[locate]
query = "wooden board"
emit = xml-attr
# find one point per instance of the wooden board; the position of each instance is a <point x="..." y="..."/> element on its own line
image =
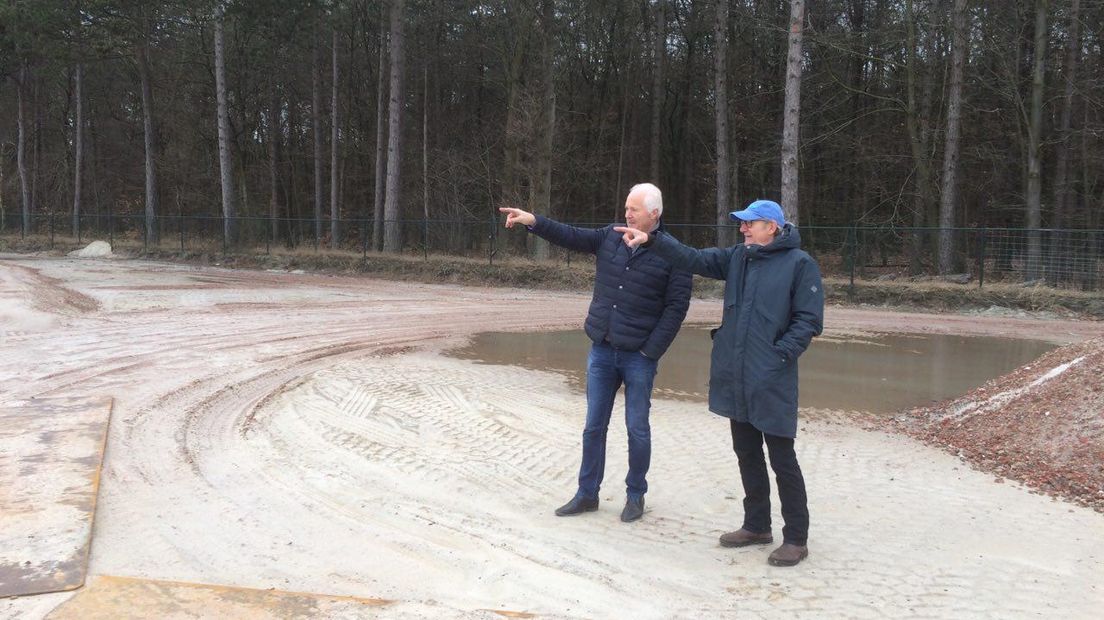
<point x="51" y="452"/>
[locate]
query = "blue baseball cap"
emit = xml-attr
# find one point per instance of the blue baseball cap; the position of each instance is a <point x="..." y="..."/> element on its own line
<point x="761" y="210"/>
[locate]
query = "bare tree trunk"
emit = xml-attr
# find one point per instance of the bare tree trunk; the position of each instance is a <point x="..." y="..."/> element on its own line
<point x="316" y="129"/>
<point x="948" y="195"/>
<point x="392" y="237"/>
<point x="226" y="170"/>
<point x="274" y="134"/>
<point x="381" y="133"/>
<point x="21" y="148"/>
<point x="150" y="140"/>
<point x="792" y="113"/>
<point x="78" y="145"/>
<point x="659" y="51"/>
<point x="720" y="112"/>
<point x="1034" y="133"/>
<point x="335" y="208"/>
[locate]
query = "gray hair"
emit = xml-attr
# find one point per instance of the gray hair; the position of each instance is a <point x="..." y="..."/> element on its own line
<point x="653" y="198"/>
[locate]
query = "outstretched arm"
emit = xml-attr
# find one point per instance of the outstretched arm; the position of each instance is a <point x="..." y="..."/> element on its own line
<point x="570" y="237"/>
<point x="711" y="262"/>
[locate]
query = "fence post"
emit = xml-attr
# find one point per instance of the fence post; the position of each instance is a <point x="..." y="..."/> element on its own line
<point x="980" y="257"/>
<point x="425" y="239"/>
<point x="853" y="234"/>
<point x="51" y="230"/>
<point x="491" y="246"/>
<point x="111" y="224"/>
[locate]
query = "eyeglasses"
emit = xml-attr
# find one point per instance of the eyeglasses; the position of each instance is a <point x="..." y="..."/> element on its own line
<point x="748" y="223"/>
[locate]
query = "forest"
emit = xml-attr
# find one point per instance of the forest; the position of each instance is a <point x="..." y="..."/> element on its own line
<point x="337" y="120"/>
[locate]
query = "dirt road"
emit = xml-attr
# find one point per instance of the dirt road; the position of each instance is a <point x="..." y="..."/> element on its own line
<point x="301" y="433"/>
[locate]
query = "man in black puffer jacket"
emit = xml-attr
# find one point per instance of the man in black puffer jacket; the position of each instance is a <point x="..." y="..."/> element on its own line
<point x="638" y="306"/>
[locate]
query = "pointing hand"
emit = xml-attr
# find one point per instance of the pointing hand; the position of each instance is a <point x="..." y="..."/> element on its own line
<point x="631" y="236"/>
<point x="517" y="216"/>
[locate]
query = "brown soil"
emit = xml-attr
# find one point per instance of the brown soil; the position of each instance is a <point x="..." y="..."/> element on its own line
<point x="1042" y="424"/>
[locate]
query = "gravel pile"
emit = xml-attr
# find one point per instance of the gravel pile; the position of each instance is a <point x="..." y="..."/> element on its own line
<point x="1042" y="424"/>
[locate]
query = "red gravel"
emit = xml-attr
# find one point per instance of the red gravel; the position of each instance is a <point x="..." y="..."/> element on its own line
<point x="1046" y="433"/>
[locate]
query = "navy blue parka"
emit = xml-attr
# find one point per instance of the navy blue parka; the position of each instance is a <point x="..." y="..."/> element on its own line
<point x="639" y="299"/>
<point x="773" y="307"/>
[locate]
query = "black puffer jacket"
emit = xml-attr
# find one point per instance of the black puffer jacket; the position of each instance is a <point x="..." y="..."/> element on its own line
<point x="639" y="298"/>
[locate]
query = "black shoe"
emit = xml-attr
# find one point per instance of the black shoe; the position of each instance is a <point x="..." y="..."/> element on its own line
<point x="577" y="505"/>
<point x="634" y="509"/>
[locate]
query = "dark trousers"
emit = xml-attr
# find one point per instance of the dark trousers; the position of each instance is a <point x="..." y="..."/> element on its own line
<point x="747" y="442"/>
<point x="607" y="369"/>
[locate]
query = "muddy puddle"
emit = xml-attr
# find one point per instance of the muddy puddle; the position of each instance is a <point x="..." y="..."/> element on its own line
<point x="877" y="373"/>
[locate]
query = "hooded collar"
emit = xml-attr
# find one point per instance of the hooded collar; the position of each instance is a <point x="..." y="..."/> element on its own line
<point x="788" y="240"/>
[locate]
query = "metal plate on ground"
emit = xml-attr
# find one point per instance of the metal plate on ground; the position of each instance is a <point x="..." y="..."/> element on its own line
<point x="122" y="597"/>
<point x="51" y="451"/>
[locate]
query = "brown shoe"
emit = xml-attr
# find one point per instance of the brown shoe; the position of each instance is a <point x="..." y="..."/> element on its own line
<point x="788" y="555"/>
<point x="743" y="538"/>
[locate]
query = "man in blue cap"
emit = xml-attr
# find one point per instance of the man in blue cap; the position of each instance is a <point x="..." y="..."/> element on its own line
<point x="773" y="307"/>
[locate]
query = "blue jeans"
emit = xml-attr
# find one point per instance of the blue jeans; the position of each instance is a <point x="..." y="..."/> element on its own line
<point x="607" y="369"/>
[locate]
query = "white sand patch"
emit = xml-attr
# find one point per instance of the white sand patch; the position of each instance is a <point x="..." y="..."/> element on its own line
<point x="96" y="249"/>
<point x="996" y="401"/>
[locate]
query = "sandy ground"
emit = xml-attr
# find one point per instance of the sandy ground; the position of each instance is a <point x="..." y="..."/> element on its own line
<point x="302" y="433"/>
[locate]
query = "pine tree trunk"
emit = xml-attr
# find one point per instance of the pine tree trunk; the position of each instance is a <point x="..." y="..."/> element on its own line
<point x="381" y="136"/>
<point x="226" y="170"/>
<point x="335" y="208"/>
<point x="1034" y="158"/>
<point x="274" y="134"/>
<point x="919" y="146"/>
<point x="1061" y="166"/>
<point x="948" y="195"/>
<point x="152" y="203"/>
<point x="792" y="113"/>
<point x="720" y="113"/>
<point x="540" y="196"/>
<point x="392" y="237"/>
<point x="659" y="51"/>
<point x="21" y="148"/>
<point x="78" y="145"/>
<point x="316" y="129"/>
<point x="425" y="161"/>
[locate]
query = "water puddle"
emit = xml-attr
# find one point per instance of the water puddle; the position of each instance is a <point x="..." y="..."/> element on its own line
<point x="878" y="373"/>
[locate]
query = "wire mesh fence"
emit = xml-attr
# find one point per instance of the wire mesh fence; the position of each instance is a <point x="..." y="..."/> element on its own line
<point x="1061" y="258"/>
